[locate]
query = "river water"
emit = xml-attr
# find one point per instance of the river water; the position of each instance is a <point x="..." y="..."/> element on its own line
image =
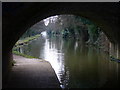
<point x="76" y="65"/>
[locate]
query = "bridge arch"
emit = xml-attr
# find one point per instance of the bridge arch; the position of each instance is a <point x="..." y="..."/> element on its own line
<point x="18" y="17"/>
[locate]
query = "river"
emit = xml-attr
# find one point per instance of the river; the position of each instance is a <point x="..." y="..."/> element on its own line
<point x="75" y="64"/>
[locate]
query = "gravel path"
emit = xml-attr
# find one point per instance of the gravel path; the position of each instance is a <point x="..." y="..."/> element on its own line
<point x="32" y="73"/>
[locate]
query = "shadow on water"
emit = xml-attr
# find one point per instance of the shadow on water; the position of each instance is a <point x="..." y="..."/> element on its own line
<point x="76" y="65"/>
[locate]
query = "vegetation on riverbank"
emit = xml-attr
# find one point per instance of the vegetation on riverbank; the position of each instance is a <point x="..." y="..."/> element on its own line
<point x="68" y="27"/>
<point x="112" y="58"/>
<point x="22" y="42"/>
<point x="26" y="40"/>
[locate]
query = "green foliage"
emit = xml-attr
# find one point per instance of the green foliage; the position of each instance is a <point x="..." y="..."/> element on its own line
<point x="93" y="33"/>
<point x="29" y="33"/>
<point x="26" y="40"/>
<point x="22" y="42"/>
<point x="65" y="33"/>
<point x="83" y="20"/>
<point x="67" y="26"/>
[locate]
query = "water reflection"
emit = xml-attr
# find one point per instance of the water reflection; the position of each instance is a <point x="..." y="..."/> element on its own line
<point x="54" y="56"/>
<point x="76" y="65"/>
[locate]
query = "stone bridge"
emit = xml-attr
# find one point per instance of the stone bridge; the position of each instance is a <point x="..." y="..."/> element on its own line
<point x="18" y="17"/>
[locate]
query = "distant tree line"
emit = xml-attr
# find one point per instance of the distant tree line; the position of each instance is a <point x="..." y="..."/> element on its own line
<point x="70" y="26"/>
<point x="66" y="26"/>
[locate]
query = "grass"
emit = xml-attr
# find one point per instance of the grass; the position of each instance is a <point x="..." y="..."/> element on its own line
<point x="20" y="43"/>
<point x="24" y="55"/>
<point x="26" y="40"/>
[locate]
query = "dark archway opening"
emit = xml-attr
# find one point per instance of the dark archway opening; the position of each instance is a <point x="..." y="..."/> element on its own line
<point x="34" y="12"/>
<point x="72" y="32"/>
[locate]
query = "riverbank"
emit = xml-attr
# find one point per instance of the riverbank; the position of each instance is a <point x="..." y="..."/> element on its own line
<point x="23" y="55"/>
<point x="22" y="42"/>
<point x="26" y="40"/>
<point x="32" y="73"/>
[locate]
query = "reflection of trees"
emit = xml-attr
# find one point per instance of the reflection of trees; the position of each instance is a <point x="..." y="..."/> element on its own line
<point x="55" y="43"/>
<point x="82" y="65"/>
<point x="65" y="77"/>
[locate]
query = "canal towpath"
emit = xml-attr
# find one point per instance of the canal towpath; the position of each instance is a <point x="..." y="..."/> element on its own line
<point x="32" y="73"/>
